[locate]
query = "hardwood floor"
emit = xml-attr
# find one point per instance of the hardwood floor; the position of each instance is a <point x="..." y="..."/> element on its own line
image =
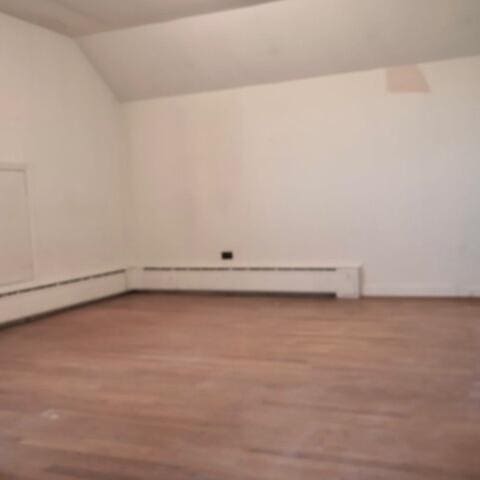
<point x="192" y="387"/>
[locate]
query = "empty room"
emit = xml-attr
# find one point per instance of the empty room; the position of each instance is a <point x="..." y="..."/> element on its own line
<point x="239" y="239"/>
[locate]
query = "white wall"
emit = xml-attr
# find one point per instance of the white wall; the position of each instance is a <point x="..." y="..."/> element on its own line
<point x="59" y="118"/>
<point x="325" y="170"/>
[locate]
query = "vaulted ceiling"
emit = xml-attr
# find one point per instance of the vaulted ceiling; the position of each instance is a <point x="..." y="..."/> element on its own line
<point x="263" y="42"/>
<point x="84" y="17"/>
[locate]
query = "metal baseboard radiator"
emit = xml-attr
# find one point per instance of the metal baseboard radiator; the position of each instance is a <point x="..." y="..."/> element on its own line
<point x="342" y="281"/>
<point x="23" y="303"/>
<point x="39" y="299"/>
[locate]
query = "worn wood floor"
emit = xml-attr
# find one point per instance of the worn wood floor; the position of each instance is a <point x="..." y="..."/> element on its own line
<point x="185" y="387"/>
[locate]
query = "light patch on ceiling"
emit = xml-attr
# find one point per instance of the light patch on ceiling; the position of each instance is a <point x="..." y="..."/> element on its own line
<point x="406" y="79"/>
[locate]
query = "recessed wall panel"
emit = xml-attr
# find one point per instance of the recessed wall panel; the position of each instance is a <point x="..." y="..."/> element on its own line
<point x="16" y="259"/>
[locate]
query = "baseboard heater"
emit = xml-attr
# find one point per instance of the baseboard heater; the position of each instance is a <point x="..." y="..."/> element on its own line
<point x="342" y="282"/>
<point x="27" y="302"/>
<point x="24" y="303"/>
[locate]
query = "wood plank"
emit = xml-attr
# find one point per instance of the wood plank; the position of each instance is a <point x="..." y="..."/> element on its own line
<point x="183" y="387"/>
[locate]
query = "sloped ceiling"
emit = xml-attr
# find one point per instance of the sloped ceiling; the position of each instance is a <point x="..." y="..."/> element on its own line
<point x="262" y="43"/>
<point x="83" y="17"/>
<point x="282" y="40"/>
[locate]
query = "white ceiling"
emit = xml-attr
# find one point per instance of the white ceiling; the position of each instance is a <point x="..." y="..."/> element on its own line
<point x="264" y="42"/>
<point x="83" y="17"/>
<point x="280" y="41"/>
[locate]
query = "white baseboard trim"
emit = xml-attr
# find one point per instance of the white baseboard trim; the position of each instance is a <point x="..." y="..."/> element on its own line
<point x="22" y="304"/>
<point x="419" y="291"/>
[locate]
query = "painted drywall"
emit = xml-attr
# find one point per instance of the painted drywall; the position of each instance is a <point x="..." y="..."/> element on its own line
<point x="329" y="170"/>
<point x="60" y="119"/>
